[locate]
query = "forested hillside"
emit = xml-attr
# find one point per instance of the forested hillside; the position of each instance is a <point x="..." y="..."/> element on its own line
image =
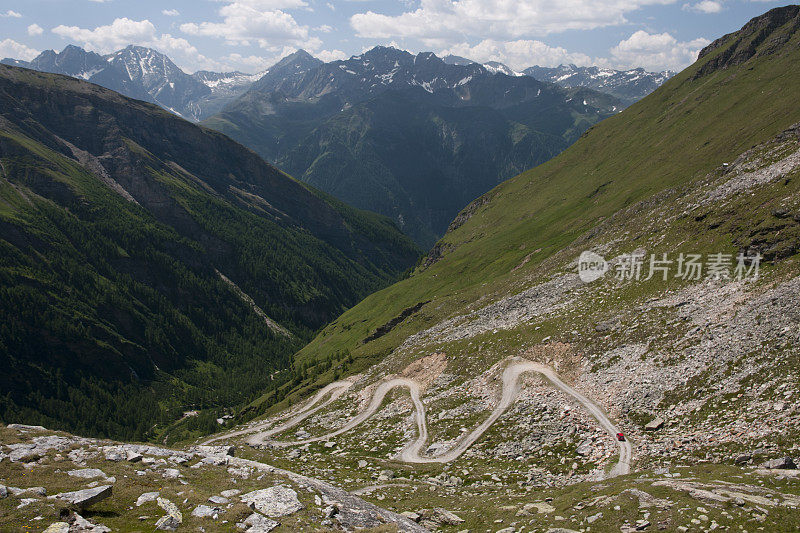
<point x="151" y="267"/>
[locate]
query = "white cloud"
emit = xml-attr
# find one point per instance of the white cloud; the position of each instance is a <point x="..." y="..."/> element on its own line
<point x="453" y="20"/>
<point x="34" y="30"/>
<point x="253" y="63"/>
<point x="518" y="54"/>
<point x="706" y="6"/>
<point x="170" y="12"/>
<point x="10" y="14"/>
<point x="330" y="55"/>
<point x="105" y="39"/>
<point x="658" y="51"/>
<point x="13" y="49"/>
<point x="257" y="21"/>
<point x="124" y="31"/>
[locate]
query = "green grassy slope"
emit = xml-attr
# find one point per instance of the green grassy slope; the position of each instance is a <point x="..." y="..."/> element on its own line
<point x="113" y="316"/>
<point x="740" y="93"/>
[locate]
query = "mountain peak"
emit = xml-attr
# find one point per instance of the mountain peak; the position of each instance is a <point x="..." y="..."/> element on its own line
<point x="298" y="59"/>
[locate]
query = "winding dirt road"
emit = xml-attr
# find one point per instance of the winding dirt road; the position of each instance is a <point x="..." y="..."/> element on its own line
<point x="335" y="389"/>
<point x="413" y="453"/>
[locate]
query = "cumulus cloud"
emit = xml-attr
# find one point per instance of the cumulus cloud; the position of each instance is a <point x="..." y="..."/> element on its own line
<point x="435" y="20"/>
<point x="124" y="31"/>
<point x="659" y="51"/>
<point x="34" y="30"/>
<point x="706" y="6"/>
<point x="518" y="54"/>
<point x="15" y="50"/>
<point x="170" y="12"/>
<point x="263" y="22"/>
<point x="330" y="55"/>
<point x="10" y="14"/>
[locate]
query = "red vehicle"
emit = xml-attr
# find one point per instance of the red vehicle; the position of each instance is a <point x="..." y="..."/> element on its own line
<point x="620" y="437"/>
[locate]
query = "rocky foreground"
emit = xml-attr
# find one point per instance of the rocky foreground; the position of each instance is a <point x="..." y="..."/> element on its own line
<point x="60" y="483"/>
<point x="55" y="482"/>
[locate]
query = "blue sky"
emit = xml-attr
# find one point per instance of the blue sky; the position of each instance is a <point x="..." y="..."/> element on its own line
<point x="250" y="35"/>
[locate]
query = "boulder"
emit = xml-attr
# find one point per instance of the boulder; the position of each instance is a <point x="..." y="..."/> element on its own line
<point x="230" y="493"/>
<point x="3" y="492"/>
<point x="216" y="450"/>
<point x="205" y="511"/>
<point x="87" y="473"/>
<point x="256" y="523"/>
<point x="785" y="463"/>
<point x="447" y="518"/>
<point x="172" y="519"/>
<point x="584" y="448"/>
<point x="147" y="497"/>
<point x="115" y="454"/>
<point x="654" y="425"/>
<point x="743" y="459"/>
<point x="82" y="499"/>
<point x="219" y="500"/>
<point x="167" y="523"/>
<point x="171" y="473"/>
<point x="82" y="525"/>
<point x="274" y="502"/>
<point x="25" y="427"/>
<point x="133" y="457"/>
<point x="57" y="527"/>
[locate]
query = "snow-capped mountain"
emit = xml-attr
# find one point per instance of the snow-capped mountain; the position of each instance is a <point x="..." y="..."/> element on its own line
<point x="225" y="87"/>
<point x="149" y="75"/>
<point x="496" y="67"/>
<point x="353" y="80"/>
<point x="286" y="72"/>
<point x="72" y="61"/>
<point x="165" y="83"/>
<point x="627" y="85"/>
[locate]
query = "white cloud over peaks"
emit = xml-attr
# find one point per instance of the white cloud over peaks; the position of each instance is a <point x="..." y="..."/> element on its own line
<point x="257" y="21"/>
<point x="706" y="6"/>
<point x="330" y="55"/>
<point x="170" y="12"/>
<point x="34" y="30"/>
<point x="10" y="14"/>
<point x="495" y="19"/>
<point x="658" y="51"/>
<point x="518" y="54"/>
<point x="13" y="49"/>
<point x="124" y="31"/>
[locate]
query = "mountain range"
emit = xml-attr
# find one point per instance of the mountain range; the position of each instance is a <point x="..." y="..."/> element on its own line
<point x="407" y="136"/>
<point x="627" y="85"/>
<point x="145" y="74"/>
<point x="472" y="125"/>
<point x="149" y="263"/>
